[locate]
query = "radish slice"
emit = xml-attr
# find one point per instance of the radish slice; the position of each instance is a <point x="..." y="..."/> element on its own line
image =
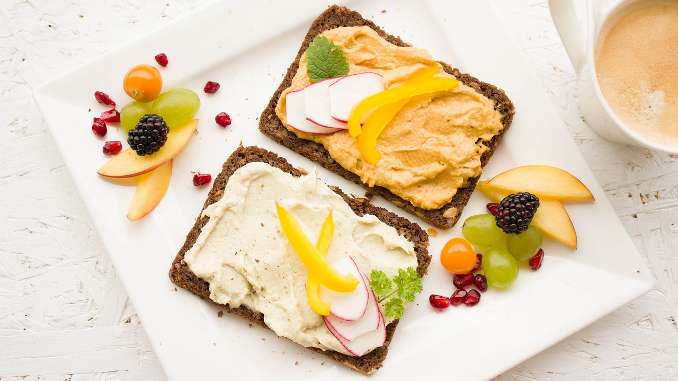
<point x="365" y="342"/>
<point x="295" y="107"/>
<point x="317" y="100"/>
<point x="347" y="305"/>
<point x="351" y="330"/>
<point x="350" y="90"/>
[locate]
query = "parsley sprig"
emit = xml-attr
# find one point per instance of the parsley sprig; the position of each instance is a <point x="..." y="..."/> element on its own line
<point x="396" y="292"/>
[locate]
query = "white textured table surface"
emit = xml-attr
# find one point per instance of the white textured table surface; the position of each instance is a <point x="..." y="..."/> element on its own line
<point x="64" y="314"/>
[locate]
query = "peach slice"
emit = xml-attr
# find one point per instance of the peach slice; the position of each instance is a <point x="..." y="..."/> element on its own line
<point x="124" y="181"/>
<point x="128" y="163"/>
<point x="551" y="217"/>
<point x="151" y="188"/>
<point x="543" y="181"/>
<point x="554" y="221"/>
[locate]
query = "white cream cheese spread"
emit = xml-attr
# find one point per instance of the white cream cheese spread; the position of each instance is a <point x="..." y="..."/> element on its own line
<point x="246" y="260"/>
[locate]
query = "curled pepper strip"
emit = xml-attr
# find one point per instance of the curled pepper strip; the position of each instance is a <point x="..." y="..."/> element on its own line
<point x="391" y="95"/>
<point x="396" y="94"/>
<point x="312" y="283"/>
<point x="382" y="115"/>
<point x="379" y="119"/>
<point x="310" y="256"/>
<point x="372" y="128"/>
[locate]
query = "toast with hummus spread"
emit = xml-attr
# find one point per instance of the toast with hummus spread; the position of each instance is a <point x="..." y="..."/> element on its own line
<point x="381" y="113"/>
<point x="249" y="251"/>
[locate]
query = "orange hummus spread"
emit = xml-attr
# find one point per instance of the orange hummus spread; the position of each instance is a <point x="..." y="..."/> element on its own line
<point x="434" y="143"/>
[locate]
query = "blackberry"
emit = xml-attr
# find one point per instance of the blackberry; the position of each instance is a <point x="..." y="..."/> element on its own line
<point x="515" y="212"/>
<point x="148" y="135"/>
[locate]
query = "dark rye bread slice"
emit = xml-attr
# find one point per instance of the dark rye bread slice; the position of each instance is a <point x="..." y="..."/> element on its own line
<point x="270" y="125"/>
<point x="182" y="276"/>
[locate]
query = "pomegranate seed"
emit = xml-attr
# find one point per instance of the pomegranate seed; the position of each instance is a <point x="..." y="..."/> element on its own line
<point x="479" y="263"/>
<point x="472" y="298"/>
<point x="103" y="98"/>
<point x="110" y="116"/>
<point x="458" y="297"/>
<point x="161" y="59"/>
<point x="223" y="119"/>
<point x="211" y="87"/>
<point x="112" y="147"/>
<point x="462" y="280"/>
<point x="480" y="281"/>
<point x="99" y="127"/>
<point x="493" y="208"/>
<point x="438" y="301"/>
<point x="201" y="179"/>
<point x="536" y="260"/>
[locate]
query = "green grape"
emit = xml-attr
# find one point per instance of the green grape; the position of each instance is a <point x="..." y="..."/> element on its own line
<point x="482" y="231"/>
<point x="176" y="106"/>
<point x="483" y="248"/>
<point x="523" y="246"/>
<point x="500" y="268"/>
<point x="131" y="113"/>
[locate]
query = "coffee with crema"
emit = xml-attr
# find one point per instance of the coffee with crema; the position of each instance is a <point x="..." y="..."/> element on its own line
<point x="637" y="67"/>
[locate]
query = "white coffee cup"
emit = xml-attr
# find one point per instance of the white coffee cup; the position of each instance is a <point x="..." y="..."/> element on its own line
<point x="579" y="23"/>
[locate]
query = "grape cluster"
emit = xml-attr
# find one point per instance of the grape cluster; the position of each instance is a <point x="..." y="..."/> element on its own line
<point x="501" y="251"/>
<point x="177" y="107"/>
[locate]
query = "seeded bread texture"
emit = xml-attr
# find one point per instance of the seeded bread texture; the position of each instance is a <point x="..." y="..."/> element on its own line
<point x="182" y="276"/>
<point x="270" y="125"/>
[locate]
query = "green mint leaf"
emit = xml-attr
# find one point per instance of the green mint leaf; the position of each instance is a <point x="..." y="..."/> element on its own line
<point x="394" y="308"/>
<point x="380" y="283"/>
<point x="408" y="284"/>
<point x="325" y="60"/>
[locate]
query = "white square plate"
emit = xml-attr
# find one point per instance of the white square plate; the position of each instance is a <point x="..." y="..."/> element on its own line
<point x="247" y="47"/>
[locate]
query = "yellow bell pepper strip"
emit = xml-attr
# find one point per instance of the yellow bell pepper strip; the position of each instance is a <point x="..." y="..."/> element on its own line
<point x="420" y="75"/>
<point x="312" y="283"/>
<point x="379" y="119"/>
<point x="310" y="257"/>
<point x="424" y="73"/>
<point x="396" y="94"/>
<point x="326" y="233"/>
<point x="313" y="296"/>
<point x="372" y="128"/>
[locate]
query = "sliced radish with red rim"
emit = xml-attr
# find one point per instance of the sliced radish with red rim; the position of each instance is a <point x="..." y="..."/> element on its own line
<point x="317" y="102"/>
<point x="365" y="342"/>
<point x="295" y="106"/>
<point x="350" y="330"/>
<point x="348" y="91"/>
<point x="347" y="306"/>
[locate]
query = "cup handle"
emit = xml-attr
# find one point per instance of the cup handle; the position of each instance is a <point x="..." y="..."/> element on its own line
<point x="571" y="20"/>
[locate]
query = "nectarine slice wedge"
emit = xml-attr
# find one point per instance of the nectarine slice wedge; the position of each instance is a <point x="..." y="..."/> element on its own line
<point x="544" y="181"/>
<point x="551" y="217"/>
<point x="554" y="221"/>
<point x="151" y="188"/>
<point x="128" y="163"/>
